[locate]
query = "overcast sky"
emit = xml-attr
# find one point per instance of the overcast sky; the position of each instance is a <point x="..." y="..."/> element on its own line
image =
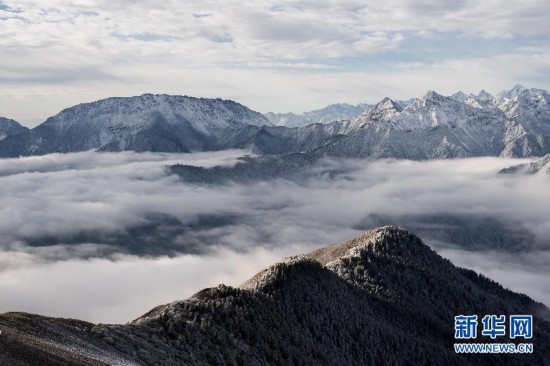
<point x="269" y="55"/>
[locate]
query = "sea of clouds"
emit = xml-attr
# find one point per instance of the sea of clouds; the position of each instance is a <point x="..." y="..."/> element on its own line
<point x="59" y="214"/>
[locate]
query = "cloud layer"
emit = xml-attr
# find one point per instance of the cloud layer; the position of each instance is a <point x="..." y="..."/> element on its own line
<point x="104" y="291"/>
<point x="57" y="53"/>
<point x="60" y="212"/>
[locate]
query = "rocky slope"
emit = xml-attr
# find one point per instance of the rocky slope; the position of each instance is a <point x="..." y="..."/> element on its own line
<point x="513" y="124"/>
<point x="538" y="165"/>
<point x="9" y="127"/>
<point x="382" y="297"/>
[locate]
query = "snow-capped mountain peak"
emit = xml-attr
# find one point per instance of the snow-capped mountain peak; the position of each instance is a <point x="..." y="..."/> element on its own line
<point x="460" y="112"/>
<point x="432" y="97"/>
<point x="203" y="114"/>
<point x="9" y="127"/>
<point x="385" y="110"/>
<point x="459" y="96"/>
<point x="388" y="104"/>
<point x="328" y="114"/>
<point x="519" y="92"/>
<point x="149" y="122"/>
<point x="484" y="96"/>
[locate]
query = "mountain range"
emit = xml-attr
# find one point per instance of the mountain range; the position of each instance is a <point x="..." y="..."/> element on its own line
<point x="514" y="123"/>
<point x="330" y="113"/>
<point x="382" y="297"/>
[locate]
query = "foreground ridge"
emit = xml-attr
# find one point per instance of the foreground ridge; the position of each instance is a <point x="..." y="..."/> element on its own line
<point x="382" y="297"/>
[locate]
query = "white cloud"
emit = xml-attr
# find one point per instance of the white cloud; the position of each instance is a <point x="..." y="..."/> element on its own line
<point x="283" y="90"/>
<point x="58" y="53"/>
<point x="251" y="225"/>
<point x="61" y="194"/>
<point x="101" y="290"/>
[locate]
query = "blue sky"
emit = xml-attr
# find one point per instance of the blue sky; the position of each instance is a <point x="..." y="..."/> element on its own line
<point x="269" y="55"/>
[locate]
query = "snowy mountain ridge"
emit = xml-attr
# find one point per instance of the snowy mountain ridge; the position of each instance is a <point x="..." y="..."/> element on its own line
<point x="141" y="123"/>
<point x="330" y="113"/>
<point x="9" y="127"/>
<point x="514" y="123"/>
<point x="532" y="168"/>
<point x="203" y="114"/>
<point x="431" y="110"/>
